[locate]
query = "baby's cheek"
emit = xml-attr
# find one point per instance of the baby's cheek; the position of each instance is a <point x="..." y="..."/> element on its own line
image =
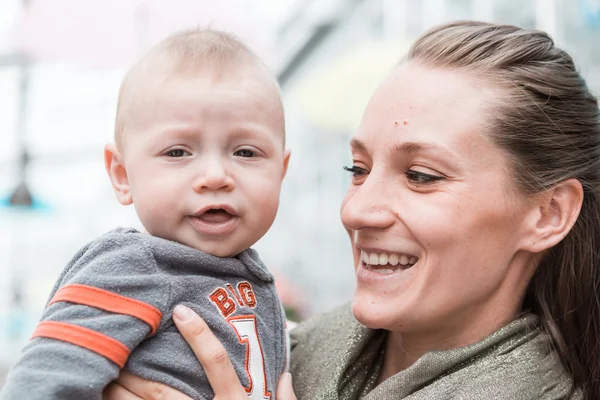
<point x="269" y="206"/>
<point x="263" y="209"/>
<point x="266" y="192"/>
<point x="154" y="209"/>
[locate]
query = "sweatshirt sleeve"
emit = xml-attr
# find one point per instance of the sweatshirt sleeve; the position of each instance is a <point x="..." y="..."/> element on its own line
<point x="110" y="298"/>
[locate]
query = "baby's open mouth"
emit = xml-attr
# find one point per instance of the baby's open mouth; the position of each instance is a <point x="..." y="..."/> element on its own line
<point x="215" y="216"/>
<point x="218" y="219"/>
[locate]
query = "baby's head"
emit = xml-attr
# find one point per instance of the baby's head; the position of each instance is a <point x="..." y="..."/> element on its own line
<point x="200" y="143"/>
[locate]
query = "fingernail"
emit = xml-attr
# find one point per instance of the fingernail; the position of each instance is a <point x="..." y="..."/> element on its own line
<point x="182" y="313"/>
<point x="288" y="377"/>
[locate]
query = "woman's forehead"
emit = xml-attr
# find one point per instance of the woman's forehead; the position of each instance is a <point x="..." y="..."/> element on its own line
<point x="418" y="98"/>
<point x="416" y="87"/>
<point x="429" y="111"/>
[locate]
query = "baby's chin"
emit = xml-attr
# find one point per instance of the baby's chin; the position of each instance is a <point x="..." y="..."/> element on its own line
<point x="222" y="254"/>
<point x="217" y="249"/>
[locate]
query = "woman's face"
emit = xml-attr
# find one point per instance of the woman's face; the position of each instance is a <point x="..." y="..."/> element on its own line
<point x="434" y="224"/>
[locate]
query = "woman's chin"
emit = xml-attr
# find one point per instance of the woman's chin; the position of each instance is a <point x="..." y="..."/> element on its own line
<point x="371" y="313"/>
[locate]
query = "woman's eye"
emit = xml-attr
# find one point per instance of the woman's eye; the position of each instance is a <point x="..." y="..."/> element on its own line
<point x="356" y="171"/>
<point x="244" y="153"/>
<point x="421" y="177"/>
<point x="177" y="153"/>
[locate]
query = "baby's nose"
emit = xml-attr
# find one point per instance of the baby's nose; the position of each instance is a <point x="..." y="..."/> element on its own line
<point x="213" y="176"/>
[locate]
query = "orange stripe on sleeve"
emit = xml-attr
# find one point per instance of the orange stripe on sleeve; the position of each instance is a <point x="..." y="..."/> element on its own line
<point x="99" y="343"/>
<point x="109" y="301"/>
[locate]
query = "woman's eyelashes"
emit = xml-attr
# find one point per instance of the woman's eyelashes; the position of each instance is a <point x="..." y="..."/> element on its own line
<point x="356" y="171"/>
<point x="422" y="178"/>
<point x="413" y="176"/>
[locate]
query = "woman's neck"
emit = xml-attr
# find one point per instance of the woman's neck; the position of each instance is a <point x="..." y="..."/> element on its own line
<point x="402" y="349"/>
<point x="468" y="326"/>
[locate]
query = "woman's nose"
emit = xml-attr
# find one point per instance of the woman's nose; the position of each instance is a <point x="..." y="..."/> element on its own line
<point x="213" y="174"/>
<point x="367" y="206"/>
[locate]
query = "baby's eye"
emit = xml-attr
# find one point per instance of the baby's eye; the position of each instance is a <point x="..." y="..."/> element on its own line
<point x="244" y="153"/>
<point x="177" y="153"/>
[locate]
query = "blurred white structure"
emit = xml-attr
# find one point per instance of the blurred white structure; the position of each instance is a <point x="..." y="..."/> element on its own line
<point x="114" y="33"/>
<point x="71" y="111"/>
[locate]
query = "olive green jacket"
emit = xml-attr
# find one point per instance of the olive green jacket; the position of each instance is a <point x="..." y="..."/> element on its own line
<point x="334" y="357"/>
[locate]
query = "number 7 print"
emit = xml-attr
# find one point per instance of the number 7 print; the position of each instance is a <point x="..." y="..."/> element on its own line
<point x="247" y="332"/>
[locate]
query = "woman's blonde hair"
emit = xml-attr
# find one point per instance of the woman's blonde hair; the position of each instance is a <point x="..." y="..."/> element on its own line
<point x="548" y="123"/>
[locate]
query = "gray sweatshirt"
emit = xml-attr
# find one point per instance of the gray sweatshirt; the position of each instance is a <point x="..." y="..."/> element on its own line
<point x="111" y="309"/>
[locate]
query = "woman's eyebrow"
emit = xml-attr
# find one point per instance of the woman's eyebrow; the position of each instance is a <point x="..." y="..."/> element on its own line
<point x="409" y="148"/>
<point x="357" y="145"/>
<point x="418" y="147"/>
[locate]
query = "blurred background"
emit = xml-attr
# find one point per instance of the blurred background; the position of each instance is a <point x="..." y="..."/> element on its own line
<point x="61" y="63"/>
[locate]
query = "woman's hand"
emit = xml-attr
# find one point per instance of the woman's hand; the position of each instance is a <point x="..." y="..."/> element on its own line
<point x="211" y="354"/>
<point x="132" y="387"/>
<point x="213" y="357"/>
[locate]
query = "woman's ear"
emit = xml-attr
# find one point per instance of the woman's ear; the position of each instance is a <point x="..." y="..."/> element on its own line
<point x="555" y="213"/>
<point x="113" y="162"/>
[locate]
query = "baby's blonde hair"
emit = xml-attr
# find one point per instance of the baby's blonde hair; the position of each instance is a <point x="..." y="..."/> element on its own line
<point x="190" y="51"/>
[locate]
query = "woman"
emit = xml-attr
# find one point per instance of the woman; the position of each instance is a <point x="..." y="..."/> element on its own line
<point x="473" y="214"/>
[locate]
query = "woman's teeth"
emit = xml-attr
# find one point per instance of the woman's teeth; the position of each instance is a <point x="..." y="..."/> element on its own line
<point x="378" y="260"/>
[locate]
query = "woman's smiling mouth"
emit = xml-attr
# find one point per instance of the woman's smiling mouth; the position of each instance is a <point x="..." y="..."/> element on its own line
<point x="387" y="263"/>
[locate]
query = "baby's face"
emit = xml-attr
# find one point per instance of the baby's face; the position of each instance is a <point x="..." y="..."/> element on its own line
<point x="205" y="160"/>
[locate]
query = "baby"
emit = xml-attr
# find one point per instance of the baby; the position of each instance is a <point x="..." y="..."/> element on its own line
<point x="199" y="151"/>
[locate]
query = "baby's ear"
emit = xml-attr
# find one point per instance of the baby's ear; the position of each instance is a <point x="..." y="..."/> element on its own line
<point x="286" y="160"/>
<point x="113" y="162"/>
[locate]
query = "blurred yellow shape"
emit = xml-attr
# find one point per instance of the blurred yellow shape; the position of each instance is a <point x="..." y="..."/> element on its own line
<point x="334" y="97"/>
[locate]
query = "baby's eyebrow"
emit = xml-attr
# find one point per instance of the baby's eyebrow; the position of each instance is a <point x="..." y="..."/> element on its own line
<point x="255" y="133"/>
<point x="181" y="131"/>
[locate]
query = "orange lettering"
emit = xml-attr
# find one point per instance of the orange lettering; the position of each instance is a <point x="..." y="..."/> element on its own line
<point x="223" y="302"/>
<point x="245" y="290"/>
<point x="232" y="290"/>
